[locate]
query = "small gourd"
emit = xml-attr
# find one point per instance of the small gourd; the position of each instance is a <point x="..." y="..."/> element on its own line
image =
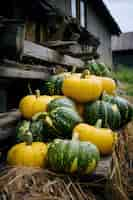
<point x="28" y="153"/>
<point x="32" y="104"/>
<point x="124" y="106"/>
<point x="109" y="113"/>
<point x="82" y="88"/>
<point x="61" y="120"/>
<point x="103" y="138"/>
<point x="73" y="156"/>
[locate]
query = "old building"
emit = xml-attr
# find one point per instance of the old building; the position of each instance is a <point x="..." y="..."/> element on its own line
<point x="92" y="15"/>
<point x="122" y="49"/>
<point x="97" y="19"/>
<point x="77" y="29"/>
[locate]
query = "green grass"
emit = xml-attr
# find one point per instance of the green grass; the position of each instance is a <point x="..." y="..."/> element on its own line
<point x="125" y="76"/>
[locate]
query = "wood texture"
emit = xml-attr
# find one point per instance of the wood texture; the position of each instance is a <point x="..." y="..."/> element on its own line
<point x="14" y="70"/>
<point x="9" y="118"/>
<point x="104" y="167"/>
<point x="45" y="54"/>
<point x="123" y="42"/>
<point x="59" y="43"/>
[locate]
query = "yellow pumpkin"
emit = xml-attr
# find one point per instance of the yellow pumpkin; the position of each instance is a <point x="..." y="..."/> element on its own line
<point x="82" y="88"/>
<point x="108" y="84"/>
<point x="32" y="104"/>
<point x="103" y="138"/>
<point x="28" y="153"/>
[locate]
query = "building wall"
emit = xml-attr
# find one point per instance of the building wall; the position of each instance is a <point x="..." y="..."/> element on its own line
<point x="65" y="5"/>
<point x="123" y="58"/>
<point x="96" y="26"/>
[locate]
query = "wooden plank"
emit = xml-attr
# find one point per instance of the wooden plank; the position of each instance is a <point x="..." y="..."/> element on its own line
<point x="5" y="133"/>
<point x="103" y="167"/>
<point x="9" y="118"/>
<point x="59" y="43"/>
<point x="9" y="72"/>
<point x="45" y="54"/>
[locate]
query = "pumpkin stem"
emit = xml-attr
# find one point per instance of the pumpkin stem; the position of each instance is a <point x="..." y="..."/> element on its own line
<point x="85" y="73"/>
<point x="98" y="123"/>
<point x="39" y="115"/>
<point x="27" y="137"/>
<point x="29" y="88"/>
<point x="74" y="68"/>
<point x="75" y="136"/>
<point x="37" y="93"/>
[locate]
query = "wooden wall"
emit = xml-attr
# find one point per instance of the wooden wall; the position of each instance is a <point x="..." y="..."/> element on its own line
<point x="96" y="26"/>
<point x="65" y="5"/>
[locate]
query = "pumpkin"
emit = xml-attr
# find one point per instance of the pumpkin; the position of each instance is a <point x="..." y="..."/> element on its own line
<point x="31" y="104"/>
<point x="28" y="153"/>
<point x="99" y="69"/>
<point x="108" y="85"/>
<point x="103" y="138"/>
<point x="61" y="102"/>
<point x="41" y="130"/>
<point x="73" y="156"/>
<point x="61" y="121"/>
<point x="109" y="114"/>
<point x="125" y="108"/>
<point x="52" y="86"/>
<point x="82" y="88"/>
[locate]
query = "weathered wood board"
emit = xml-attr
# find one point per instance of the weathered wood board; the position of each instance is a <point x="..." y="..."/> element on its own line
<point x="45" y="54"/>
<point x="23" y="71"/>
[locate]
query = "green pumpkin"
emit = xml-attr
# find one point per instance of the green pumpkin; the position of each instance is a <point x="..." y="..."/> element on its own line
<point x="64" y="119"/>
<point x="99" y="69"/>
<point x="53" y="85"/>
<point x="109" y="113"/>
<point x="60" y="120"/>
<point x="125" y="108"/>
<point x="36" y="128"/>
<point x="73" y="156"/>
<point x="61" y="102"/>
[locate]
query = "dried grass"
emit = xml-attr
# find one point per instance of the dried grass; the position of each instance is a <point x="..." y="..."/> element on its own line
<point x="39" y="184"/>
<point x="128" y="131"/>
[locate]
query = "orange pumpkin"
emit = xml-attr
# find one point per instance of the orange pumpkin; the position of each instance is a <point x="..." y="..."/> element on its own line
<point x="82" y="88"/>
<point x="32" y="104"/>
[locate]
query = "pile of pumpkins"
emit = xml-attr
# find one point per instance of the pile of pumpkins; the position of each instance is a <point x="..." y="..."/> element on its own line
<point x="71" y="124"/>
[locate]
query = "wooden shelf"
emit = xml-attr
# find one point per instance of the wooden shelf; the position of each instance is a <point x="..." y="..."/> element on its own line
<point x="48" y="55"/>
<point x="12" y="69"/>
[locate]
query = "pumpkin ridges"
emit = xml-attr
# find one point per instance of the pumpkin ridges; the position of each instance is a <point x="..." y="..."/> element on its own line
<point x="91" y="88"/>
<point x="61" y="102"/>
<point x="124" y="107"/>
<point x="29" y="105"/>
<point x="71" y="160"/>
<point x="102" y="110"/>
<point x="27" y="155"/>
<point x="64" y="119"/>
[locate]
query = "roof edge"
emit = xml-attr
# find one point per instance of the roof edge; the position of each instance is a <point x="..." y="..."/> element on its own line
<point x="107" y="16"/>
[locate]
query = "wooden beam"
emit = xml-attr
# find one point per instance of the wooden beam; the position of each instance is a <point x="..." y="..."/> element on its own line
<point x="9" y="118"/>
<point x="13" y="72"/>
<point x="45" y="54"/>
<point x="58" y="43"/>
<point x="103" y="167"/>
